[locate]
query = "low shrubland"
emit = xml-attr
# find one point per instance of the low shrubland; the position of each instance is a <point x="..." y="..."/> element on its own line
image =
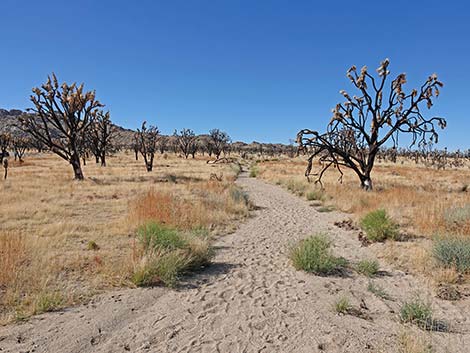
<point x="378" y="226"/>
<point x="453" y="253"/>
<point x="368" y="268"/>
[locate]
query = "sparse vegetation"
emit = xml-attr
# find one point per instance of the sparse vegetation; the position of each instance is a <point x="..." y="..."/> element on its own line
<point x="368" y="268"/>
<point x="342" y="306"/>
<point x="420" y="313"/>
<point x="254" y="171"/>
<point x="315" y="195"/>
<point x="314" y="255"/>
<point x="379" y="226"/>
<point x="453" y="253"/>
<point x="378" y="291"/>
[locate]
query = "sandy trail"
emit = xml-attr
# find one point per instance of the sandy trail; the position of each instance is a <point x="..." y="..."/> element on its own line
<point x="250" y="300"/>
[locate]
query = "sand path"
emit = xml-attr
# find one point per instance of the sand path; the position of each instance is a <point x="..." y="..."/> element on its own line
<point x="250" y="300"/>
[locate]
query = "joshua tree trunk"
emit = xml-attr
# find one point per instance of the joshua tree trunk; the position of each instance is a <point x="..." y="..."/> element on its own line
<point x="77" y="169"/>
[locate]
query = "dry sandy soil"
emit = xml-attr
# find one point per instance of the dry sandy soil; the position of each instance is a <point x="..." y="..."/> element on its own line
<point x="252" y="300"/>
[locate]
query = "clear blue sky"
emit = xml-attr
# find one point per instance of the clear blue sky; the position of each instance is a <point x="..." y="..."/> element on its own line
<point x="260" y="70"/>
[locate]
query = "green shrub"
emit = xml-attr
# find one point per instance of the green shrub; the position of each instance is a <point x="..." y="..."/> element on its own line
<point x="239" y="196"/>
<point x="49" y="301"/>
<point x="453" y="252"/>
<point x="315" y="195"/>
<point x="342" y="306"/>
<point x="153" y="235"/>
<point x="417" y="312"/>
<point x="368" y="268"/>
<point x="379" y="226"/>
<point x="314" y="255"/>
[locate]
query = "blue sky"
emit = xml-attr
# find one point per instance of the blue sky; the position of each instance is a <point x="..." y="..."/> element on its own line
<point x="260" y="70"/>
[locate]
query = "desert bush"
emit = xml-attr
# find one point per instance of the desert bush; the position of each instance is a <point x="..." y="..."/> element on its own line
<point x="92" y="245"/>
<point x="379" y="226"/>
<point x="168" y="253"/>
<point x="254" y="171"/>
<point x="453" y="253"/>
<point x="296" y="187"/>
<point x="368" y="268"/>
<point x="49" y="301"/>
<point x="315" y="195"/>
<point x="420" y="313"/>
<point x="314" y="255"/>
<point x="342" y="305"/>
<point x="417" y="312"/>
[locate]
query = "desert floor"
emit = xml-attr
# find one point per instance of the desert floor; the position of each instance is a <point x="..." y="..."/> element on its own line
<point x="252" y="299"/>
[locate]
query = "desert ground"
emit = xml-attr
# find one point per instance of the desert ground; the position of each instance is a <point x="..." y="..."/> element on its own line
<point x="72" y="253"/>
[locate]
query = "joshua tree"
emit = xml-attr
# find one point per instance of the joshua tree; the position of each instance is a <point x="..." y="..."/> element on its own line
<point x="62" y="115"/>
<point x="5" y="167"/>
<point x="163" y="144"/>
<point x="148" y="138"/>
<point x="20" y="145"/>
<point x="186" y="141"/>
<point x="100" y="136"/>
<point x="5" y="140"/>
<point x="365" y="122"/>
<point x="218" y="142"/>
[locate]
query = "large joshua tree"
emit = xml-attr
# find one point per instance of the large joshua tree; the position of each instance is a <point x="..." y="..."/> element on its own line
<point x="61" y="116"/>
<point x="365" y="122"/>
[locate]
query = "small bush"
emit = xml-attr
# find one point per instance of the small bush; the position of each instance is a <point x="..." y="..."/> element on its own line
<point x="324" y="209"/>
<point x="368" y="268"/>
<point x="342" y="306"/>
<point x="296" y="187"/>
<point x="239" y="196"/>
<point x="457" y="215"/>
<point x="453" y="253"/>
<point x="48" y="301"/>
<point x="379" y="226"/>
<point x="254" y="171"/>
<point x="416" y="312"/>
<point x="313" y="255"/>
<point x="315" y="195"/>
<point x="91" y="245"/>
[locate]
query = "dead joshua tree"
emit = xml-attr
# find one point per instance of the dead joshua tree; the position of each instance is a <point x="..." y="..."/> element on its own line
<point x="364" y="123"/>
<point x="186" y="141"/>
<point x="100" y="136"/>
<point x="217" y="143"/>
<point x="62" y="115"/>
<point x="148" y="139"/>
<point x="20" y="145"/>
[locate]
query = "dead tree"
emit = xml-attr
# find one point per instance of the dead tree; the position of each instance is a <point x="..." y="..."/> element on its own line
<point x="5" y="141"/>
<point x="100" y="137"/>
<point x="61" y="116"/>
<point x="148" y="139"/>
<point x="20" y="145"/>
<point x="218" y="142"/>
<point x="186" y="141"/>
<point x="365" y="122"/>
<point x="136" y="146"/>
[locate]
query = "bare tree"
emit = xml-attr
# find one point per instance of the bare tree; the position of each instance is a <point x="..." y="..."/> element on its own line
<point x="163" y="144"/>
<point x="20" y="145"/>
<point x="218" y="142"/>
<point x="148" y="139"/>
<point x="364" y="123"/>
<point x="100" y="136"/>
<point x="186" y="141"/>
<point x="62" y="114"/>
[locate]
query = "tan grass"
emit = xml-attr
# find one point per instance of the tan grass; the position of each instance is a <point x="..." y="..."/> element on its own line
<point x="48" y="220"/>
